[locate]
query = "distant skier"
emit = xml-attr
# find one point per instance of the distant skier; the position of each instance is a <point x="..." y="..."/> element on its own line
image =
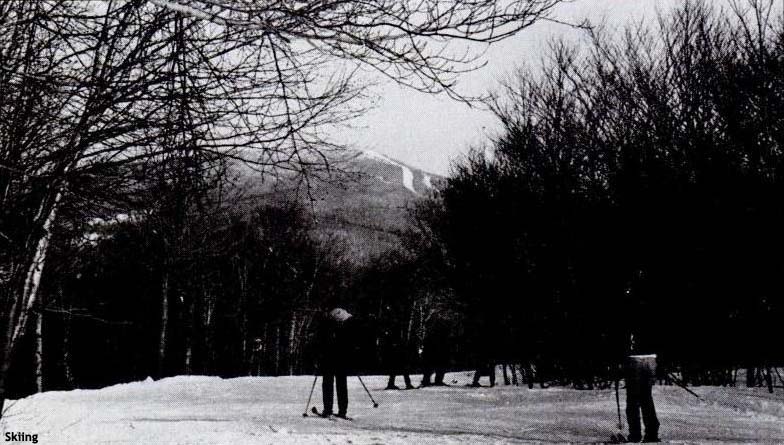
<point x="438" y="379"/>
<point x="395" y="354"/>
<point x="335" y="347"/>
<point x="487" y="332"/>
<point x="435" y="354"/>
<point x="484" y="370"/>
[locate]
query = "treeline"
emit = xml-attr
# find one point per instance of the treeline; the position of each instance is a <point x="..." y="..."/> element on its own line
<point x="228" y="295"/>
<point x="637" y="185"/>
<point x="223" y="284"/>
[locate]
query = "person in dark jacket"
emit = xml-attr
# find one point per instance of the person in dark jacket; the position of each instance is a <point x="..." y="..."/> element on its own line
<point x="435" y="353"/>
<point x="335" y="341"/>
<point x="397" y="352"/>
<point x="640" y="376"/>
<point x="640" y="362"/>
<point x="394" y="351"/>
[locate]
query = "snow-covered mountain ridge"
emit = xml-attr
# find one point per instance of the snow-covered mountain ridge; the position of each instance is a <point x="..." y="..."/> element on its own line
<point x="408" y="174"/>
<point x="412" y="179"/>
<point x="364" y="202"/>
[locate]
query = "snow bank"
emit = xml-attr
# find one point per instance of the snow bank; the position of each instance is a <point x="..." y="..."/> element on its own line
<point x="260" y="410"/>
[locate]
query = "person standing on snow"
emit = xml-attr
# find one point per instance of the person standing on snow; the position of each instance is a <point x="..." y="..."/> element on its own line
<point x="435" y="354"/>
<point x="395" y="348"/>
<point x="640" y="364"/>
<point x="484" y="369"/>
<point x="640" y="376"/>
<point x="395" y="357"/>
<point x="335" y="347"/>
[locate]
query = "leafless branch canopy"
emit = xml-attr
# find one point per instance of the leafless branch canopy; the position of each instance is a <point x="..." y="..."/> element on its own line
<point x="407" y="41"/>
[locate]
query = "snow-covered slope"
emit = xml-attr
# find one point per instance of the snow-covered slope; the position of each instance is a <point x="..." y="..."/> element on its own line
<point x="365" y="203"/>
<point x="268" y="410"/>
<point x="407" y="174"/>
<point x="428" y="181"/>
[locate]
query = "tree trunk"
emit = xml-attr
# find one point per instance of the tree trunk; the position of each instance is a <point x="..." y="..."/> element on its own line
<point x="189" y="323"/>
<point x="243" y="305"/>
<point x="751" y="377"/>
<point x="410" y="323"/>
<point x="68" y="372"/>
<point x="277" y="350"/>
<point x="292" y="342"/>
<point x="34" y="274"/>
<point x="39" y="352"/>
<point x="23" y="304"/>
<point x="164" y="323"/>
<point x="769" y="379"/>
<point x="4" y="367"/>
<point x="187" y="365"/>
<point x="263" y="351"/>
<point x="209" y="334"/>
<point x="66" y="345"/>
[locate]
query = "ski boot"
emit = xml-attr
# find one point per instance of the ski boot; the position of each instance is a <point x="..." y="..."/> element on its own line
<point x="651" y="438"/>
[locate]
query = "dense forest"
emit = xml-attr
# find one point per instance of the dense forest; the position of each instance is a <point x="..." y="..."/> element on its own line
<point x="636" y="185"/>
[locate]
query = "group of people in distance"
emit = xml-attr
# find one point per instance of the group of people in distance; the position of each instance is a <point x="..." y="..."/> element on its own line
<point x="336" y="334"/>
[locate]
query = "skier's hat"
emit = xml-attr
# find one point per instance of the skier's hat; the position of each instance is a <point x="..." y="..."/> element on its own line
<point x="339" y="314"/>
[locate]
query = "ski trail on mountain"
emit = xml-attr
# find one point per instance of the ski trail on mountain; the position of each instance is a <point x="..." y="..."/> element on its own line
<point x="408" y="175"/>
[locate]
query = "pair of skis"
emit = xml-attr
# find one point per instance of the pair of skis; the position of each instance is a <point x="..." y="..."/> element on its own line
<point x="331" y="417"/>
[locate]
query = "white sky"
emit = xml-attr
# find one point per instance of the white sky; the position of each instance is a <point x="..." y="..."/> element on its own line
<point x="429" y="131"/>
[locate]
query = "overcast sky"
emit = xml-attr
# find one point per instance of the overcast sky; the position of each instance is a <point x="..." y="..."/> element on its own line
<point x="428" y="132"/>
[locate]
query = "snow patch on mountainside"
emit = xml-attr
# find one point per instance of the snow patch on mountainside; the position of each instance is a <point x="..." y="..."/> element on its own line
<point x="427" y="180"/>
<point x="408" y="175"/>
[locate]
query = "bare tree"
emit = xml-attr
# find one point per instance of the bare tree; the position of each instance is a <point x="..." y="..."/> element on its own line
<point x="408" y="41"/>
<point x="90" y="89"/>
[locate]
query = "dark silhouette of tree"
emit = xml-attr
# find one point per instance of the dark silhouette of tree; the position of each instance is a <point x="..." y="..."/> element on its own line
<point x="633" y="186"/>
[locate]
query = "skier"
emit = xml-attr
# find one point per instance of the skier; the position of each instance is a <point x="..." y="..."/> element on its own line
<point x="640" y="370"/>
<point x="640" y="363"/>
<point x="435" y="354"/>
<point x="395" y="357"/>
<point x="488" y="370"/>
<point x="488" y="332"/>
<point x="406" y="379"/>
<point x="429" y="370"/>
<point x="335" y="340"/>
<point x="395" y="349"/>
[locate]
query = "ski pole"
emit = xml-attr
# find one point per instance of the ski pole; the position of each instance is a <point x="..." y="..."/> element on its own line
<point x="375" y="405"/>
<point x="682" y="385"/>
<point x="305" y="413"/>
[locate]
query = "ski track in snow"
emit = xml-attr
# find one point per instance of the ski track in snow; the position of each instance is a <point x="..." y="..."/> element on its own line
<point x="261" y="410"/>
<point x="408" y="175"/>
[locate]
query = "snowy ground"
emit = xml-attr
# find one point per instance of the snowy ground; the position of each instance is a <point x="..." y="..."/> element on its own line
<point x="268" y="410"/>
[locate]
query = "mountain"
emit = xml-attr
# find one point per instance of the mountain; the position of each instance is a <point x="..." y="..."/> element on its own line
<point x="363" y="204"/>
